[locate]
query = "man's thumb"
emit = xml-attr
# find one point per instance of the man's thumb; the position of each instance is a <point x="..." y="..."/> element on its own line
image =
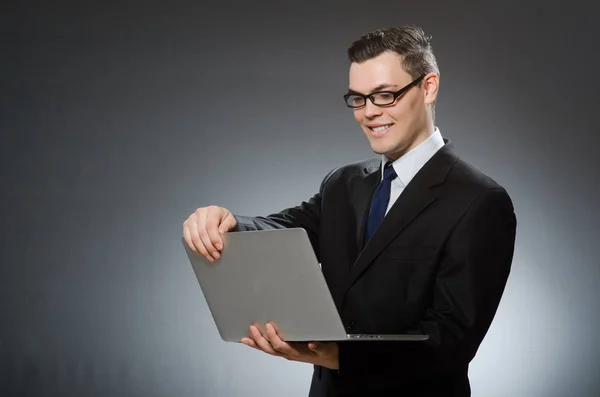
<point x="228" y="223"/>
<point x="315" y="347"/>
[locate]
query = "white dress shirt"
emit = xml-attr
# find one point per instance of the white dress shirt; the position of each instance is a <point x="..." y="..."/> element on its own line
<point x="410" y="163"/>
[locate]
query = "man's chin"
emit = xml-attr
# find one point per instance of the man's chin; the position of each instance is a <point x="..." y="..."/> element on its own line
<point x="381" y="149"/>
<point x="393" y="153"/>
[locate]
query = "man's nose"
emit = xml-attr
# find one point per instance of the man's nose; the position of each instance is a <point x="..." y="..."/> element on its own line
<point x="371" y="110"/>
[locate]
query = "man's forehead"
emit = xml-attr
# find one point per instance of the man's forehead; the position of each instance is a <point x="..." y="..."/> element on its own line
<point x="377" y="72"/>
<point x="368" y="82"/>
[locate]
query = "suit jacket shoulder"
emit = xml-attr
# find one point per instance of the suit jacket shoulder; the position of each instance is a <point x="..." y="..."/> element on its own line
<point x="351" y="169"/>
<point x="467" y="188"/>
<point x="347" y="171"/>
<point x="467" y="176"/>
<point x="467" y="184"/>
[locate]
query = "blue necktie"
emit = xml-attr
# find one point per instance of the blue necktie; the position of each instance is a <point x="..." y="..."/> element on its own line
<point x="380" y="201"/>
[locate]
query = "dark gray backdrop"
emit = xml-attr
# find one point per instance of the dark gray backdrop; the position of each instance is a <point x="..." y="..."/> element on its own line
<point x="118" y="121"/>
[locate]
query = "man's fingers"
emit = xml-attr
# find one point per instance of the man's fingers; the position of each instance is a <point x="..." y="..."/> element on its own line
<point x="213" y="219"/>
<point x="249" y="342"/>
<point x="202" y="217"/>
<point x="208" y="247"/>
<point x="193" y="230"/>
<point x="261" y="342"/>
<point x="270" y="343"/>
<point x="204" y="228"/>
<point x="279" y="344"/>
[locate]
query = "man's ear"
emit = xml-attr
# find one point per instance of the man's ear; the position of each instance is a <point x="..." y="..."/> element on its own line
<point x="431" y="83"/>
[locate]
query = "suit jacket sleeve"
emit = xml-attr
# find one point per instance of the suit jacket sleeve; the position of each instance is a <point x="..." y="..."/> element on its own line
<point x="467" y="291"/>
<point x="306" y="215"/>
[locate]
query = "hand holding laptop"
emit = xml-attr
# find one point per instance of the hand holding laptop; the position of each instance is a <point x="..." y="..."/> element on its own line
<point x="324" y="354"/>
<point x="204" y="228"/>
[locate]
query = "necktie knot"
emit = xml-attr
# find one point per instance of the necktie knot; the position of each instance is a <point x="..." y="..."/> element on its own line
<point x="389" y="173"/>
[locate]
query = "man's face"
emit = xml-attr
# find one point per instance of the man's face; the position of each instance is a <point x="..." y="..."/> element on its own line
<point x="399" y="127"/>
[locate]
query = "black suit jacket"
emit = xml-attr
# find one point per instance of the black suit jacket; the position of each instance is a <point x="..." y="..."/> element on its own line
<point x="437" y="265"/>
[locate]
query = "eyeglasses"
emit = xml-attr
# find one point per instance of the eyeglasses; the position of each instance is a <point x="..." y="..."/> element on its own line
<point x="381" y="98"/>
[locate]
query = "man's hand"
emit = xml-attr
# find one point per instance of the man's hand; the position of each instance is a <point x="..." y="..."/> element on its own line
<point x="204" y="228"/>
<point x="324" y="354"/>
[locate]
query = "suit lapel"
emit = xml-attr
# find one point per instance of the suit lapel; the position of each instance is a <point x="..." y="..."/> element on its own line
<point x="415" y="198"/>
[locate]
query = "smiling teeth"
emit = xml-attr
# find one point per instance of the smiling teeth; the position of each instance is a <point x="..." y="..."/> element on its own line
<point x="381" y="128"/>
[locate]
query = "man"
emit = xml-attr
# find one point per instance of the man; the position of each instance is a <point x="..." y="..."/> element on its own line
<point x="417" y="241"/>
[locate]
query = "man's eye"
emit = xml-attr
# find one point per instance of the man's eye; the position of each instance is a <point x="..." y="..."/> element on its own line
<point x="384" y="97"/>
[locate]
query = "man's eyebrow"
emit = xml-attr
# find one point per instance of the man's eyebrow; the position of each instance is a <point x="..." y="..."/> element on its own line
<point x="380" y="87"/>
<point x="383" y="87"/>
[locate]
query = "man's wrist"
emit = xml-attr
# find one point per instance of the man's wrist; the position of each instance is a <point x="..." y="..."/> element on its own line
<point x="333" y="364"/>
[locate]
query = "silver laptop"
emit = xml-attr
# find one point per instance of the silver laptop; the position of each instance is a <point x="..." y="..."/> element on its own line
<point x="272" y="276"/>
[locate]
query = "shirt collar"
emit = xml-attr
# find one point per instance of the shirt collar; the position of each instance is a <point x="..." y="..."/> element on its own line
<point x="410" y="163"/>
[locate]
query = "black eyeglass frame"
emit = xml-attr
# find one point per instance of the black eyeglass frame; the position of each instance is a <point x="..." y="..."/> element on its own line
<point x="395" y="94"/>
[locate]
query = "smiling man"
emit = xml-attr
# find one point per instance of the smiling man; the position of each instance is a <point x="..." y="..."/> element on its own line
<point x="414" y="241"/>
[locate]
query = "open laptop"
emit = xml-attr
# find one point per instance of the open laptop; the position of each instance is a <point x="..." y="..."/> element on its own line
<point x="273" y="276"/>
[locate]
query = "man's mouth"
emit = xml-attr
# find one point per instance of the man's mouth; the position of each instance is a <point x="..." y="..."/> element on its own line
<point x="380" y="130"/>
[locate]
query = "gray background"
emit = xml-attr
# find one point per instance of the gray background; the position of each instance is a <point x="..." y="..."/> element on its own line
<point x="118" y="121"/>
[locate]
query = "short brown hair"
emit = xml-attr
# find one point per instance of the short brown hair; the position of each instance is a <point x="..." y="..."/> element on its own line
<point x="410" y="42"/>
